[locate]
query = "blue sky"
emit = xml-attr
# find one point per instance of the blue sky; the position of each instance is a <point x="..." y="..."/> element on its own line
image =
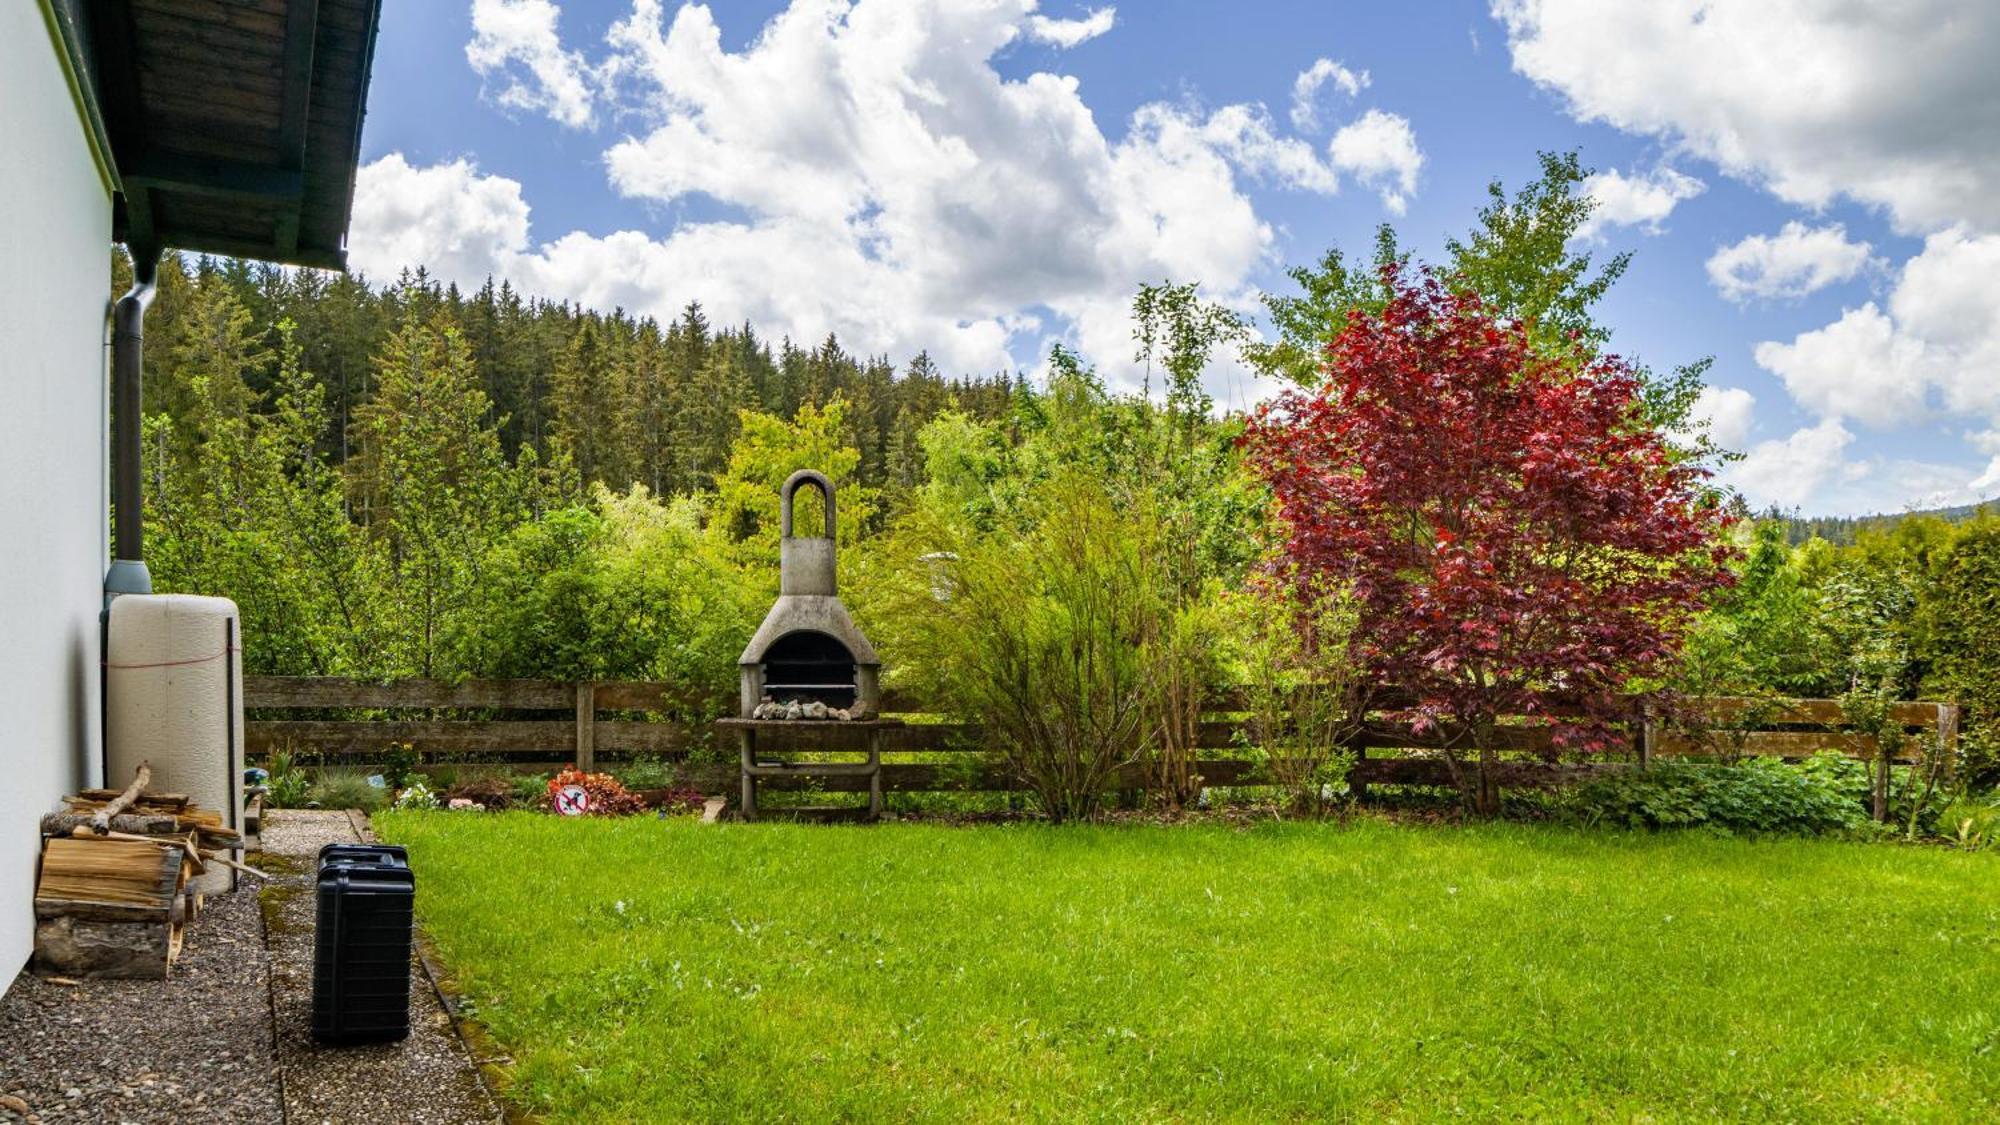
<point x="984" y="177"/>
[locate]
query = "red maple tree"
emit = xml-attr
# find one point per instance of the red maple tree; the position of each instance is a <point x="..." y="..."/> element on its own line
<point x="1511" y="530"/>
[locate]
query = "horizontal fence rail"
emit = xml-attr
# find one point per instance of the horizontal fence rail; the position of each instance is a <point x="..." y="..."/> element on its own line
<point x="542" y="724"/>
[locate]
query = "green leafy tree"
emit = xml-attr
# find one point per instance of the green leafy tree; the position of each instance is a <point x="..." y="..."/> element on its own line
<point x="330" y="571"/>
<point x="1768" y="633"/>
<point x="1193" y="487"/>
<point x="743" y="520"/>
<point x="1962" y="615"/>
<point x="1329" y="294"/>
<point x="440" y="488"/>
<point x="1522" y="257"/>
<point x="622" y="589"/>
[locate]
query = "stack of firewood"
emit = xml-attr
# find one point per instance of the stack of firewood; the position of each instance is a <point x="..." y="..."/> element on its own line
<point x="112" y="899"/>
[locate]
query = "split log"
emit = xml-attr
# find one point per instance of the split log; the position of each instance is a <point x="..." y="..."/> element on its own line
<point x="186" y="844"/>
<point x="186" y="816"/>
<point x="138" y="824"/>
<point x="218" y="829"/>
<point x="110" y="907"/>
<point x="79" y="947"/>
<point x="149" y="800"/>
<point x="119" y="873"/>
<point x="123" y="801"/>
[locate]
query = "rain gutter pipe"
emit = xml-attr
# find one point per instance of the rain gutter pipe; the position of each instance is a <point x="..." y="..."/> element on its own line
<point x="128" y="573"/>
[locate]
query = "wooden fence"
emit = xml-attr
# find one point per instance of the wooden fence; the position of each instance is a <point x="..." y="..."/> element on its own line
<point x="533" y="724"/>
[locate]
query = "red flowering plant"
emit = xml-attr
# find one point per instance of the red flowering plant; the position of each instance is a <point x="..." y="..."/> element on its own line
<point x="1513" y="532"/>
<point x="605" y="795"/>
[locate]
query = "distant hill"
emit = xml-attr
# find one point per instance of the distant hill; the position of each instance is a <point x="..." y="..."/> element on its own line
<point x="1843" y="530"/>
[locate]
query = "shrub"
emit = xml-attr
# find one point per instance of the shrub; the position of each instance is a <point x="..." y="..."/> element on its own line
<point x="1979" y="753"/>
<point x="647" y="773"/>
<point x="1038" y="637"/>
<point x="529" y="790"/>
<point x="607" y="796"/>
<point x="288" y="784"/>
<point x="1964" y="617"/>
<point x="1057" y="577"/>
<point x="1301" y="690"/>
<point x="399" y="761"/>
<point x="1757" y="795"/>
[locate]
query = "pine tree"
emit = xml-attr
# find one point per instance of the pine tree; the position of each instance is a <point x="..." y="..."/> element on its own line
<point x="329" y="573"/>
<point x="585" y="404"/>
<point x="440" y="487"/>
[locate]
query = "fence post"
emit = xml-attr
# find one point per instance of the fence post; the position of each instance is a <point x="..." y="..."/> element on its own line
<point x="586" y="726"/>
<point x="1947" y="736"/>
<point x="1642" y="734"/>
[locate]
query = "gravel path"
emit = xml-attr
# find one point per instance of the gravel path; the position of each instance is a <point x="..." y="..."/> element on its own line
<point x="426" y="1078"/>
<point x="194" y="1047"/>
<point x="201" y="1046"/>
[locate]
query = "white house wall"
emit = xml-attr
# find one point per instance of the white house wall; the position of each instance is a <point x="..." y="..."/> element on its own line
<point x="55" y="241"/>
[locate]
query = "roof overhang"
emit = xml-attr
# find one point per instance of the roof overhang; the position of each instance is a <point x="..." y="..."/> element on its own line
<point x="234" y="125"/>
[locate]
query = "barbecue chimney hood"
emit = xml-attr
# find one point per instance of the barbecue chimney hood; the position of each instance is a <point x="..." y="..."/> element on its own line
<point x="808" y="648"/>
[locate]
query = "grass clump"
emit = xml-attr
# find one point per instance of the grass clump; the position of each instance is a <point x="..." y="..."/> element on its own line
<point x="662" y="970"/>
<point x="346" y="789"/>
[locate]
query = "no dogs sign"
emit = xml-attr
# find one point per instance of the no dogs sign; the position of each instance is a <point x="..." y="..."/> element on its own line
<point x="572" y="800"/>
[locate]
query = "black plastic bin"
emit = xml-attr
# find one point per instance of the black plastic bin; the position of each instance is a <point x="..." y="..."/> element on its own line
<point x="361" y="947"/>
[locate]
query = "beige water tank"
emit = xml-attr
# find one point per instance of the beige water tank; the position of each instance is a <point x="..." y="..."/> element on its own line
<point x="173" y="696"/>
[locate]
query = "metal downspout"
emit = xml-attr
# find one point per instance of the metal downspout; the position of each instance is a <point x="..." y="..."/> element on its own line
<point x="128" y="573"/>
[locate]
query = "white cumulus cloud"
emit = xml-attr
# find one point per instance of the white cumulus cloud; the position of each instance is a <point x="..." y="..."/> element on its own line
<point x="1890" y="104"/>
<point x="1730" y="414"/>
<point x="1796" y="261"/>
<point x="516" y="41"/>
<point x="1307" y="86"/>
<point x="1380" y="150"/>
<point x="1814" y="470"/>
<point x="1068" y="33"/>
<point x="1244" y="134"/>
<point x="1936" y="344"/>
<point x="1894" y="106"/>
<point x="1795" y="471"/>
<point x="887" y="184"/>
<point x="1858" y="367"/>
<point x="1637" y="200"/>
<point x="448" y="218"/>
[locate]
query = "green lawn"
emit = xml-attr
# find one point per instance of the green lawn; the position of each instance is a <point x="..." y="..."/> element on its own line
<point x="647" y="970"/>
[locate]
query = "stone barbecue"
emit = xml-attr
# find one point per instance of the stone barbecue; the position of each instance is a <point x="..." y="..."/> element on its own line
<point x="808" y="660"/>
